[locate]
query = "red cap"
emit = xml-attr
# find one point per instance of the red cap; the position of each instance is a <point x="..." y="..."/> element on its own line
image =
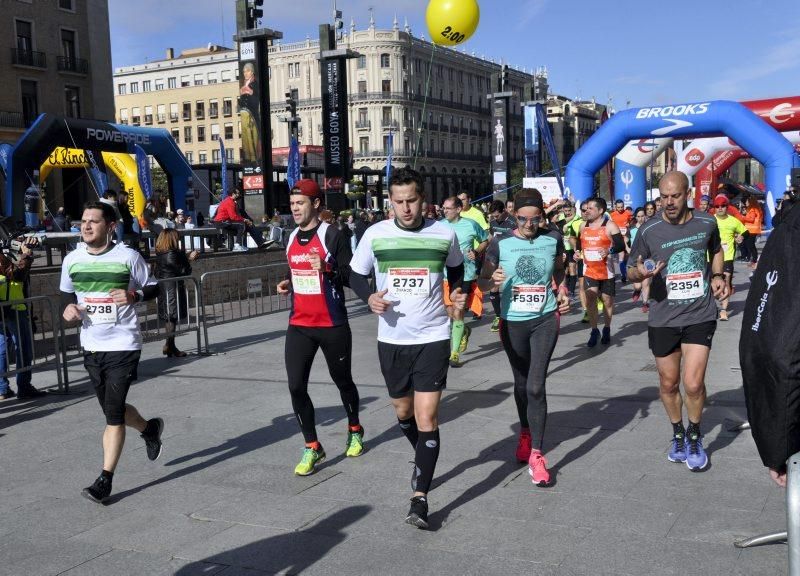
<point x="720" y="200"/>
<point x="306" y="187"/>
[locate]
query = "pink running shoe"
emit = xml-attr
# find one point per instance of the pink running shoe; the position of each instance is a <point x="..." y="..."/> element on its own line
<point x="537" y="468"/>
<point x="524" y="445"/>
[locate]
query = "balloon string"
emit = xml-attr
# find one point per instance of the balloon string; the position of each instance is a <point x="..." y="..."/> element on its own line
<point x="424" y="104"/>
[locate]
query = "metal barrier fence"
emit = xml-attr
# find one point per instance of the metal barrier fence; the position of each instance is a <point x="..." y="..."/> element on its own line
<point x="185" y="299"/>
<point x="238" y="294"/>
<point x="30" y="338"/>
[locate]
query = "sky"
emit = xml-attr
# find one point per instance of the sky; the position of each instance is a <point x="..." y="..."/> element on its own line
<point x="629" y="53"/>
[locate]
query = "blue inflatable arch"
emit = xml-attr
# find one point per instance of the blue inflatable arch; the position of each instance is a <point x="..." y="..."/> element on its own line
<point x="693" y="120"/>
<point x="49" y="131"/>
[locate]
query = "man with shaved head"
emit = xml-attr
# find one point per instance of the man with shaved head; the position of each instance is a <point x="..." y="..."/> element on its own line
<point x="672" y="248"/>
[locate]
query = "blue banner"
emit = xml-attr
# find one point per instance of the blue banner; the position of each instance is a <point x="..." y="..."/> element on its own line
<point x="143" y="171"/>
<point x="5" y="154"/>
<point x="224" y="169"/>
<point x="96" y="173"/>
<point x="293" y="163"/>
<point x="531" y="142"/>
<point x="630" y="183"/>
<point x="551" y="146"/>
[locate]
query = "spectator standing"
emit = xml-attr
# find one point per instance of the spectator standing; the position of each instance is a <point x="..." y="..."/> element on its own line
<point x="753" y="219"/>
<point x="31" y="201"/>
<point x="16" y="322"/>
<point x="60" y="221"/>
<point x="171" y="262"/>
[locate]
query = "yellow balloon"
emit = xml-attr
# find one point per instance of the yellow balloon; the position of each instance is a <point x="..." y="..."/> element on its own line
<point x="450" y="22"/>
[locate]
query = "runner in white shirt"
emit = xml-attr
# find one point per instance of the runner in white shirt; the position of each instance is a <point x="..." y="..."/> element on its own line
<point x="409" y="255"/>
<point x="100" y="283"/>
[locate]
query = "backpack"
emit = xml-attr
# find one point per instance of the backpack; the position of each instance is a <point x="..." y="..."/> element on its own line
<point x="769" y="346"/>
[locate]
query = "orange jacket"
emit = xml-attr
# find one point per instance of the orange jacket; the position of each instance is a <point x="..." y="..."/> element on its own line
<point x="753" y="219"/>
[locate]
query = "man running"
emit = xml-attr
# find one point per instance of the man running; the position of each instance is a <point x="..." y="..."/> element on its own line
<point x="502" y="221"/>
<point x="597" y="239"/>
<point x="682" y="317"/>
<point x="319" y="267"/>
<point x="731" y="232"/>
<point x="525" y="264"/>
<point x="469" y="233"/>
<point x="409" y="256"/>
<point x="622" y="218"/>
<point x="570" y="217"/>
<point x="100" y="283"/>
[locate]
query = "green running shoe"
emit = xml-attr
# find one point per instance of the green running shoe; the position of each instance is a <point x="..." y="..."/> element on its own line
<point x="309" y="462"/>
<point x="355" y="443"/>
<point x="462" y="346"/>
<point x="495" y="325"/>
<point x="455" y="362"/>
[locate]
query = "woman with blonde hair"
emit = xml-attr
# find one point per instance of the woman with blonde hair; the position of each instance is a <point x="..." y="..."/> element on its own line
<point x="171" y="262"/>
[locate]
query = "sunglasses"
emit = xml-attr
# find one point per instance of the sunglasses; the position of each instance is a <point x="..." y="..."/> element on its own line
<point x="533" y="221"/>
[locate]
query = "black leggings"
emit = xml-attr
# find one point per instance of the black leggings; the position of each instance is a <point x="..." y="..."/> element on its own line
<point x="750" y="247"/>
<point x="302" y="344"/>
<point x="529" y="345"/>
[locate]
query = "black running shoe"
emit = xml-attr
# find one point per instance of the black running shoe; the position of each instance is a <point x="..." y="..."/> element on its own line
<point x="99" y="491"/>
<point x="153" y="440"/>
<point x="418" y="513"/>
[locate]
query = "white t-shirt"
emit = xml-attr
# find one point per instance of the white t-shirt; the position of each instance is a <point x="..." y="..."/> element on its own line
<point x="411" y="265"/>
<point x="107" y="327"/>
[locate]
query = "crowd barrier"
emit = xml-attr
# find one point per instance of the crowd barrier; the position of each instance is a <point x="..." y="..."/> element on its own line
<point x="30" y="338"/>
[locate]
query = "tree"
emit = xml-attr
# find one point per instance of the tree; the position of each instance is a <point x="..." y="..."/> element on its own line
<point x="515" y="175"/>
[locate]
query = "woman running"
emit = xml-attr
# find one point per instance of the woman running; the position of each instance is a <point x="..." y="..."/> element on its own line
<point x="641" y="290"/>
<point x="527" y="266"/>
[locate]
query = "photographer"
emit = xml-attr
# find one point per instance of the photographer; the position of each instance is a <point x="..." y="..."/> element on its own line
<point x="784" y="206"/>
<point x="16" y="322"/>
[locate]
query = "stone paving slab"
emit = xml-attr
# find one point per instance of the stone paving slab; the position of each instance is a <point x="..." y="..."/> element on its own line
<point x="222" y="500"/>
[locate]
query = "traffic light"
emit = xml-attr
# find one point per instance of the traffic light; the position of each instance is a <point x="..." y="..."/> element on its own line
<point x="503" y="76"/>
<point x="291" y="105"/>
<point x="255" y="12"/>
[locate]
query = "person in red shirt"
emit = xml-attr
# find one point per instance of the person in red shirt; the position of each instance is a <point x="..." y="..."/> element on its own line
<point x="229" y="217"/>
<point x="319" y="266"/>
<point x="622" y="217"/>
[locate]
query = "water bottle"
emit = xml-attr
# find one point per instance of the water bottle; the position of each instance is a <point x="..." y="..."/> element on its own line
<point x="650" y="266"/>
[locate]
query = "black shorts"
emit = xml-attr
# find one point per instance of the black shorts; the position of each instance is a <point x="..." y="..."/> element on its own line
<point x="663" y="341"/>
<point x="580" y="267"/>
<point x="727" y="267"/>
<point x="606" y="287"/>
<point x="570" y="256"/>
<point x="414" y="367"/>
<point x="111" y="374"/>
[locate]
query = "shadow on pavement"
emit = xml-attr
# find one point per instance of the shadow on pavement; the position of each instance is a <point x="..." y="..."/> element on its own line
<point x="290" y="553"/>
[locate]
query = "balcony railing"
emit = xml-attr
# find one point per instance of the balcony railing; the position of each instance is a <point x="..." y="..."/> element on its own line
<point x="389" y="123"/>
<point x="213" y="113"/>
<point x="227" y="111"/>
<point x="78" y="65"/>
<point x="173" y="117"/>
<point x="199" y="114"/>
<point x="135" y="120"/>
<point x="363" y="124"/>
<point x="11" y="119"/>
<point x="162" y="118"/>
<point x="148" y="119"/>
<point x="187" y="115"/>
<point x="28" y="58"/>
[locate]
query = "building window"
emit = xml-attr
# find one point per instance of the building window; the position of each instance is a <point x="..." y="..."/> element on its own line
<point x="30" y="101"/>
<point x="226" y="75"/>
<point x="362" y="62"/>
<point x="362" y="86"/>
<point x="136" y="115"/>
<point x="121" y="89"/>
<point x="185" y="81"/>
<point x="215" y="132"/>
<point x="176" y="135"/>
<point x="134" y="87"/>
<point x="363" y="145"/>
<point x="198" y="79"/>
<point x="229" y="154"/>
<point x="403" y="61"/>
<point x="66" y="5"/>
<point x="161" y="113"/>
<point x="201" y="135"/>
<point x="187" y="134"/>
<point x="229" y="131"/>
<point x="24" y="36"/>
<point x="215" y="157"/>
<point x="213" y="108"/>
<point x="160" y="84"/>
<point x="227" y="107"/>
<point x="384" y="60"/>
<point x="294" y="69"/>
<point x="146" y="86"/>
<point x="189" y="157"/>
<point x="171" y="82"/>
<point x="173" y="112"/>
<point x="148" y="114"/>
<point x="212" y="77"/>
<point x="200" y="110"/>
<point x="68" y="48"/>
<point x="386" y="86"/>
<point x="123" y="115"/>
<point x="202" y="156"/>
<point x="187" y="110"/>
<point x="386" y="144"/>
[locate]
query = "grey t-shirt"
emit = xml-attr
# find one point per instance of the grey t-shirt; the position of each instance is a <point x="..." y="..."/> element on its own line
<point x="681" y="293"/>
